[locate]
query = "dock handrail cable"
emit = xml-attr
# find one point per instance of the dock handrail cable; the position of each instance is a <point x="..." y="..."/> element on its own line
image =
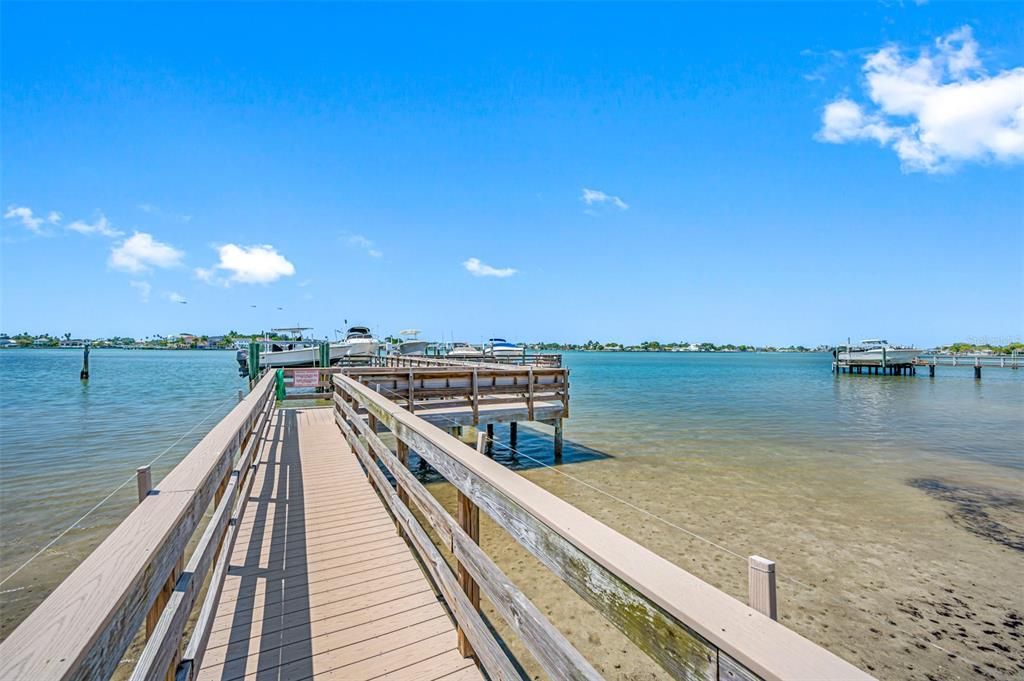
<point x="113" y="492"/>
<point x="834" y="599"/>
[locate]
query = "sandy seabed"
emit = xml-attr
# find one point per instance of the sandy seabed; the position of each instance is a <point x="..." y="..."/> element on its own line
<point x="905" y="574"/>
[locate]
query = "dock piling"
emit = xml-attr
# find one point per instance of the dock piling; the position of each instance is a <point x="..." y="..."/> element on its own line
<point x="558" y="440"/>
<point x="84" y="373"/>
<point x="513" y="434"/>
<point x="761" y="586"/>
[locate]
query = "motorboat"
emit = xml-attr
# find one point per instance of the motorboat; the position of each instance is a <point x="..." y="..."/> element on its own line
<point x="411" y="345"/>
<point x="499" y="347"/>
<point x="359" y="342"/>
<point x="292" y="351"/>
<point x="877" y="350"/>
<point x="459" y="349"/>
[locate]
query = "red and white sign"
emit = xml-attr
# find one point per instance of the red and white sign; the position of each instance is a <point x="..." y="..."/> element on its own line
<point x="305" y="378"/>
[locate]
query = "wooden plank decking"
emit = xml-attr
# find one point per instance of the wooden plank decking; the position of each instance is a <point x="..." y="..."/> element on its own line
<point x="320" y="584"/>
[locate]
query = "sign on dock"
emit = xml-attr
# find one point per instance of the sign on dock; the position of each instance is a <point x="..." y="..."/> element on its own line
<point x="305" y="378"/>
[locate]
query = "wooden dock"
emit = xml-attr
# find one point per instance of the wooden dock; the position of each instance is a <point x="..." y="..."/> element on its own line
<point x="844" y="365"/>
<point x="451" y="395"/>
<point x="311" y="563"/>
<point x="319" y="583"/>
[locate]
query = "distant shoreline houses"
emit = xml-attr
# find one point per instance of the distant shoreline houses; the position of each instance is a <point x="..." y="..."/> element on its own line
<point x="183" y="341"/>
<point x="656" y="346"/>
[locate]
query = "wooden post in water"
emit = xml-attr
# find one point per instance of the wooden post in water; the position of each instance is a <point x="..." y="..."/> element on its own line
<point x="761" y="586"/>
<point x="558" y="440"/>
<point x="490" y="438"/>
<point x="469" y="521"/>
<point x="84" y="374"/>
<point x="513" y="434"/>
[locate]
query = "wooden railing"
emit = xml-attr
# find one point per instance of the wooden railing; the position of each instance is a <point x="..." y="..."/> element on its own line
<point x="538" y="359"/>
<point x="688" y="627"/>
<point x="422" y="389"/>
<point x="969" y="360"/>
<point x="82" y="630"/>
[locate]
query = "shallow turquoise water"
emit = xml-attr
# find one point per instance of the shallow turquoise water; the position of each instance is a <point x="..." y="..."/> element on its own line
<point x="743" y="403"/>
<point x="65" y="443"/>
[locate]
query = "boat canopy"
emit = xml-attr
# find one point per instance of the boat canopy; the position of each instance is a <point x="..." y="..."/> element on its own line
<point x="874" y="341"/>
<point x="358" y="332"/>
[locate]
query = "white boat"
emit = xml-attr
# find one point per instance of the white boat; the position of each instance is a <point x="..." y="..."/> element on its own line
<point x="499" y="347"/>
<point x="460" y="349"/>
<point x="359" y="342"/>
<point x="877" y="350"/>
<point x="294" y="351"/>
<point x="412" y="346"/>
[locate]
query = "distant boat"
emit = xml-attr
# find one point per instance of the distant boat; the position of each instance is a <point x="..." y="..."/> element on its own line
<point x="460" y="349"/>
<point x="875" y="350"/>
<point x="499" y="347"/>
<point x="412" y="346"/>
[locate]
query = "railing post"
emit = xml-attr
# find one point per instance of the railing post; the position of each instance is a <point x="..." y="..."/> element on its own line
<point x="144" y="479"/>
<point x="144" y="482"/>
<point x="403" y="496"/>
<point x="412" y="402"/>
<point x="469" y="521"/>
<point x="529" y="394"/>
<point x="761" y="586"/>
<point x="476" y="398"/>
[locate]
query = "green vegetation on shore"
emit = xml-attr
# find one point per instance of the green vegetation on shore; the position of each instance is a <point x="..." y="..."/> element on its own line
<point x="183" y="341"/>
<point x="187" y="341"/>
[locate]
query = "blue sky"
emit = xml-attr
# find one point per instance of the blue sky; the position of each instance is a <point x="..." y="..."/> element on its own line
<point x="747" y="173"/>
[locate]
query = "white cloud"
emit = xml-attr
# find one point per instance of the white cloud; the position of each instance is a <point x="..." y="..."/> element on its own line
<point x="937" y="111"/>
<point x="176" y="297"/>
<point x="101" y="226"/>
<point x="144" y="289"/>
<point x="26" y="216"/>
<point x="479" y="269"/>
<point x="259" y="264"/>
<point x="54" y="217"/>
<point x="140" y="252"/>
<point x="592" y="196"/>
<point x="365" y="244"/>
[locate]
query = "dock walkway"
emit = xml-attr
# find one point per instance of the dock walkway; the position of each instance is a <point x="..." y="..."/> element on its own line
<point x="319" y="582"/>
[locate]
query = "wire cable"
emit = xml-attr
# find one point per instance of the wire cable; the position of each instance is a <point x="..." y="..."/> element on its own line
<point x="112" y="493"/>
